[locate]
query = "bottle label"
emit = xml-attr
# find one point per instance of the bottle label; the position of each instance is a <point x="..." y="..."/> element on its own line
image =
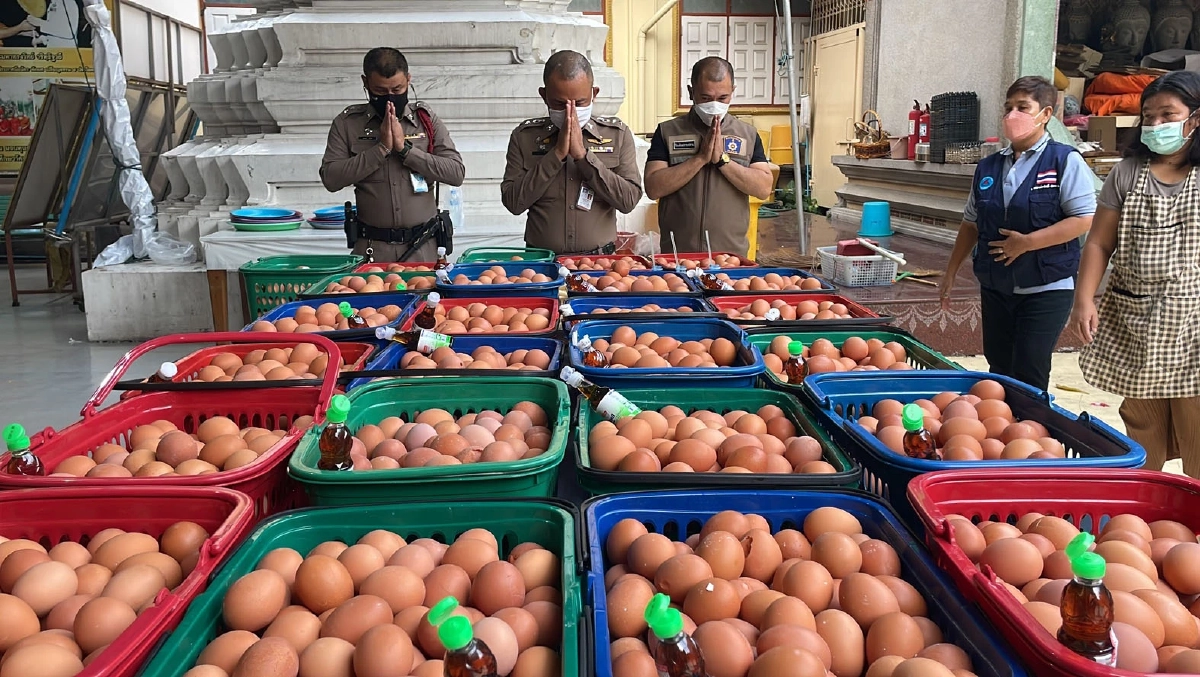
<point x="566" y="310"/>
<point x="614" y="406"/>
<point x="431" y="341"/>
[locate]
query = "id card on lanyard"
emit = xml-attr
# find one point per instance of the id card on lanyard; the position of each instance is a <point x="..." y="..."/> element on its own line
<point x="420" y="185"/>
<point x="586" y="196"/>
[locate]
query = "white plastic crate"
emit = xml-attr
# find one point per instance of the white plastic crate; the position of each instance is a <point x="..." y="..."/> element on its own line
<point x="856" y="271"/>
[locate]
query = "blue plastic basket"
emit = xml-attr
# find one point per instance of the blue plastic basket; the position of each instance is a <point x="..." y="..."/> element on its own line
<point x="743" y="273"/>
<point x="841" y="398"/>
<point x="693" y="290"/>
<point x="583" y="307"/>
<point x="387" y="363"/>
<point x="743" y="374"/>
<point x="473" y="270"/>
<point x="678" y="514"/>
<point x="405" y="301"/>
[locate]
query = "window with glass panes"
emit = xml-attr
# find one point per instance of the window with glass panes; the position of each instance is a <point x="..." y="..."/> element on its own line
<point x="599" y="9"/>
<point x="749" y="34"/>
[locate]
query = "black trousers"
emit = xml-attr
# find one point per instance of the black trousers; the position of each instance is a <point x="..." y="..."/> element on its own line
<point x="1021" y="330"/>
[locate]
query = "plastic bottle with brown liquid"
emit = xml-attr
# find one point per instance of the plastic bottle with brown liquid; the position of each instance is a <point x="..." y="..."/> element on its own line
<point x="576" y="282"/>
<point x="352" y="317"/>
<point x="421" y="340"/>
<point x="441" y="263"/>
<point x="607" y="402"/>
<point x="796" y="368"/>
<point x="918" y="442"/>
<point x="591" y="356"/>
<point x="465" y="656"/>
<point x="166" y="373"/>
<point x="427" y="318"/>
<point x="709" y="281"/>
<point x="21" y="461"/>
<point x="1087" y="606"/>
<point x="336" y="440"/>
<point x="677" y="654"/>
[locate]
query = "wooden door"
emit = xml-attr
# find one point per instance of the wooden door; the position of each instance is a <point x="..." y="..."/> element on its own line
<point x="702" y="36"/>
<point x="836" y="102"/>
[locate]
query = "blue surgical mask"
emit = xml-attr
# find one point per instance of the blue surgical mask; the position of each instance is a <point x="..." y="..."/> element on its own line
<point x="1165" y="139"/>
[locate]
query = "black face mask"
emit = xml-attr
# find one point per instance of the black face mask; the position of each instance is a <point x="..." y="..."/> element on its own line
<point x="379" y="103"/>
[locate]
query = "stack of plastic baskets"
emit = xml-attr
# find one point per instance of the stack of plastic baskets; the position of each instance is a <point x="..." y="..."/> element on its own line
<point x="274" y="280"/>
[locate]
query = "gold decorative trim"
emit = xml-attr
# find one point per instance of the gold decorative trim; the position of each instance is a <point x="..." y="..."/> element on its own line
<point x="608" y="41"/>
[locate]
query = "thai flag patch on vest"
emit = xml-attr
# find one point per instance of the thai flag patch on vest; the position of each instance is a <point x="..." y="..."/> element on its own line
<point x="1047" y="178"/>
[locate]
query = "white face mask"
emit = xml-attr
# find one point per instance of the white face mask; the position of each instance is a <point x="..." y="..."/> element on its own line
<point x="559" y="117"/>
<point x="710" y="110"/>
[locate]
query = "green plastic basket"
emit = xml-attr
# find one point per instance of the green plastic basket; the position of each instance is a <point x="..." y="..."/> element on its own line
<point x="505" y="255"/>
<point x="275" y="280"/>
<point x="317" y="291"/>
<point x="512" y="522"/>
<point x="406" y="397"/>
<point x="920" y="356"/>
<point x="722" y="401"/>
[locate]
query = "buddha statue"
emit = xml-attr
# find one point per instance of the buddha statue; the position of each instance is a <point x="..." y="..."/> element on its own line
<point x="1171" y="25"/>
<point x="1076" y="21"/>
<point x="1131" y="23"/>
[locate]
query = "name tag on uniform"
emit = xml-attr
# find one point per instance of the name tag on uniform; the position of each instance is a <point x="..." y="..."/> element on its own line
<point x="411" y="137"/>
<point x="602" y="149"/>
<point x="684" y="143"/>
<point x="420" y="185"/>
<point x="734" y="145"/>
<point x="368" y="135"/>
<point x="586" y="195"/>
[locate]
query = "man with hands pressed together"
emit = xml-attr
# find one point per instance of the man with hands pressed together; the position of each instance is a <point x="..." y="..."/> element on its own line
<point x="392" y="151"/>
<point x="702" y="166"/>
<point x="572" y="172"/>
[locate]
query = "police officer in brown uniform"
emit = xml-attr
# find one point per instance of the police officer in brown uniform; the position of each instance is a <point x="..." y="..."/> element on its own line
<point x="392" y="151"/>
<point x="701" y="167"/>
<point x="571" y="171"/>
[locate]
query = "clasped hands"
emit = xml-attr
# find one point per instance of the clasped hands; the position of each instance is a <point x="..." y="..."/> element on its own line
<point x="570" y="140"/>
<point x="391" y="134"/>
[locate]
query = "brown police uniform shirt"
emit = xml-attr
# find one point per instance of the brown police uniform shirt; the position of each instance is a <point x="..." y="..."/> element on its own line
<point x="384" y="190"/>
<point x="537" y="181"/>
<point x="709" y="201"/>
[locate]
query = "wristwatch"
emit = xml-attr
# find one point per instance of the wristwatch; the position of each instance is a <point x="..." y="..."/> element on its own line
<point x="723" y="161"/>
<point x="403" y="152"/>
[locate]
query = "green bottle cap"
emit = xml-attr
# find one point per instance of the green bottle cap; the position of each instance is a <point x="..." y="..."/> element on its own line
<point x="1089" y="566"/>
<point x="664" y="621"/>
<point x="15" y="438"/>
<point x="1079" y="545"/>
<point x="400" y="286"/>
<point x="796" y="349"/>
<point x="345" y="309"/>
<point x="914" y="417"/>
<point x="339" y="409"/>
<point x="454" y="631"/>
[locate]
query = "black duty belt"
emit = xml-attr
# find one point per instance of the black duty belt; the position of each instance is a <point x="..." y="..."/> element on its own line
<point x="603" y="250"/>
<point x="392" y="235"/>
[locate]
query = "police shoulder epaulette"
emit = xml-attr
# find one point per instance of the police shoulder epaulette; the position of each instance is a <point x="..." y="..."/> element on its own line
<point x="355" y="109"/>
<point x="534" y="122"/>
<point x="611" y="121"/>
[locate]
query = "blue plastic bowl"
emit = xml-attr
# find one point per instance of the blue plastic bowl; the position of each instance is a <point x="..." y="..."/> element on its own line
<point x="263" y="213"/>
<point x="389" y="359"/>
<point x="473" y="271"/>
<point x="747" y="366"/>
<point x="405" y="301"/>
<point x="678" y="514"/>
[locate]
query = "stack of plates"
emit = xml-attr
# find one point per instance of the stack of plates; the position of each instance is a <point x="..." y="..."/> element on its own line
<point x="329" y="218"/>
<point x="266" y="219"/>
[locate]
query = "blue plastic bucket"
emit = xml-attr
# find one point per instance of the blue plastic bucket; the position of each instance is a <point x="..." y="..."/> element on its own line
<point x="876" y="220"/>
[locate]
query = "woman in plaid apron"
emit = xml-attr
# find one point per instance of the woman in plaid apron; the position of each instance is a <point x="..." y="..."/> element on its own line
<point x="1144" y="340"/>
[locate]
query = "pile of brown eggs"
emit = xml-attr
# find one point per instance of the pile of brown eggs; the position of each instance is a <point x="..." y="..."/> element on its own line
<point x="627" y="349"/>
<point x="353" y="284"/>
<point x="162" y="450"/>
<point x="620" y="266"/>
<point x="497" y="275"/>
<point x="1153" y="573"/>
<point x="62" y="607"/>
<point x="804" y="310"/>
<point x="326" y="317"/>
<point x="394" y="268"/>
<point x="615" y="282"/>
<point x="828" y="600"/>
<point x="305" y="361"/>
<point x="485" y="318"/>
<point x="434" y="437"/>
<point x="856" y="354"/>
<point x="648" y="308"/>
<point x="483" y="357"/>
<point x="736" y="442"/>
<point x="361" y="610"/>
<point x="771" y="282"/>
<point x="718" y="260"/>
<point x="973" y="427"/>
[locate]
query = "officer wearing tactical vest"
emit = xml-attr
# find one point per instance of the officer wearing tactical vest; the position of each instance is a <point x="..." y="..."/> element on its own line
<point x="572" y="172"/>
<point x="702" y="166"/>
<point x="393" y="152"/>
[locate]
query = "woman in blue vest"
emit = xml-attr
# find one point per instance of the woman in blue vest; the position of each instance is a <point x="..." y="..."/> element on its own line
<point x="1028" y="208"/>
<point x="1144" y="339"/>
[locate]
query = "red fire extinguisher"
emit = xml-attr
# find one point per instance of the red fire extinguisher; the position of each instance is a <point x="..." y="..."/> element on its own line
<point x="914" y="121"/>
<point x="924" y="125"/>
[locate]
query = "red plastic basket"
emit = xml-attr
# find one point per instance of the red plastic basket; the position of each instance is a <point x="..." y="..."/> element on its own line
<point x="56" y="515"/>
<point x="667" y="259"/>
<point x="265" y="480"/>
<point x="611" y="257"/>
<point x="1086" y="498"/>
<point x="530" y="302"/>
<point x="859" y="314"/>
<point x="355" y="355"/>
<point x="408" y="265"/>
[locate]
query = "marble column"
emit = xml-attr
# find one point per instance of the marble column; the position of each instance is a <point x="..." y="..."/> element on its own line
<point x="297" y="65"/>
